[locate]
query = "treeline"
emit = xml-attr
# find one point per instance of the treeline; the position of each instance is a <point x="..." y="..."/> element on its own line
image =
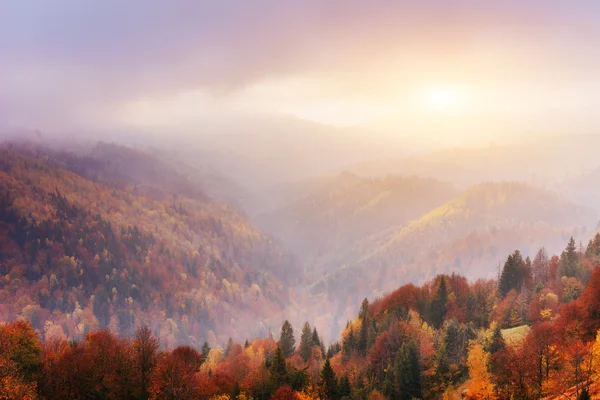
<point x="529" y="335"/>
<point x="532" y="334"/>
<point x="104" y="366"/>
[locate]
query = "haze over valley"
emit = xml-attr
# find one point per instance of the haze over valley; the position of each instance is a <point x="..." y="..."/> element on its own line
<point x="414" y="186"/>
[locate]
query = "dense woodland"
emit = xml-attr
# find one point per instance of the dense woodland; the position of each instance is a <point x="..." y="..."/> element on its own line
<point x="533" y="333"/>
<point x="122" y="279"/>
<point x="78" y="255"/>
<point x="363" y="237"/>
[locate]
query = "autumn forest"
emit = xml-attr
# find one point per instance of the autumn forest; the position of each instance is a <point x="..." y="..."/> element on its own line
<point x="125" y="276"/>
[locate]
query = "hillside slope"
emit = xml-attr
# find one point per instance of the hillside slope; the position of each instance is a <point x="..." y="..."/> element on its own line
<point x="92" y="254"/>
<point x="338" y="213"/>
<point x="468" y="235"/>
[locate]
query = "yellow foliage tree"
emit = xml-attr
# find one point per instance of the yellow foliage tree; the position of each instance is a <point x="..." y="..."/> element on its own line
<point x="596" y="359"/>
<point x="309" y="393"/>
<point x="480" y="385"/>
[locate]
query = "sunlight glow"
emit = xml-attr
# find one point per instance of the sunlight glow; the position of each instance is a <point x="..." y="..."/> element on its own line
<point x="446" y="98"/>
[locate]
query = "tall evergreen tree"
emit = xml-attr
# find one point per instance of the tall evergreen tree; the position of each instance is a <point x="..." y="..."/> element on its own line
<point x="348" y="344"/>
<point x="453" y="341"/>
<point x="442" y="368"/>
<point x="439" y="302"/>
<point x="328" y="382"/>
<point x="363" y="315"/>
<point x="306" y="342"/>
<point x="364" y="309"/>
<point x="569" y="260"/>
<point x="497" y="342"/>
<point x="287" y="341"/>
<point x="344" y="388"/>
<point x="408" y="371"/>
<point x="316" y="341"/>
<point x="278" y="368"/>
<point x="513" y="273"/>
<point x="205" y="350"/>
<point x="593" y="247"/>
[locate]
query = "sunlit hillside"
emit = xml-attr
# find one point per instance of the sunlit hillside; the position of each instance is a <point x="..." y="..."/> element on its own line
<point x="325" y="225"/>
<point x="466" y="235"/>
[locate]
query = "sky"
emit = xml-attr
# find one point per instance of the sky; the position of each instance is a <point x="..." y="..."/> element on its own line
<point x="450" y="68"/>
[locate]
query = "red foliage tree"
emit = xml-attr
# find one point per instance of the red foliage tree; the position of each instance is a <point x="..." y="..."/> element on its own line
<point x="284" y="393"/>
<point x="175" y="376"/>
<point x="589" y="304"/>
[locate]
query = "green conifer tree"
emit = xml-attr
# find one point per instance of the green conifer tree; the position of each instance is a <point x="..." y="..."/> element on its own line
<point x="306" y="342"/>
<point x="497" y="342"/>
<point x="278" y="368"/>
<point x="328" y="382"/>
<point x="439" y="302"/>
<point x="344" y="388"/>
<point x="287" y="341"/>
<point x="513" y="274"/>
<point x="363" y="315"/>
<point x="205" y="350"/>
<point x="569" y="260"/>
<point x="408" y="371"/>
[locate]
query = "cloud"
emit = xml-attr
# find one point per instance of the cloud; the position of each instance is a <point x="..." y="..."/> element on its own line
<point x="65" y="60"/>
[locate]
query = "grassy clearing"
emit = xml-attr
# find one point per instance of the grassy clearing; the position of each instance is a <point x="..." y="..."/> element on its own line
<point x="515" y="335"/>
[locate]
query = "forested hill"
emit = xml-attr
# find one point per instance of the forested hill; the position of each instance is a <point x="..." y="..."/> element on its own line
<point x="533" y="334"/>
<point x="467" y="235"/>
<point x="82" y="254"/>
<point x="340" y="213"/>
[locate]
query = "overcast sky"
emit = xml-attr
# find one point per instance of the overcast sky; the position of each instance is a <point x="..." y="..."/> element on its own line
<point x="151" y="63"/>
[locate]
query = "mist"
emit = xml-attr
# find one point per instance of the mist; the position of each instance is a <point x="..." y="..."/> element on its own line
<point x="333" y="151"/>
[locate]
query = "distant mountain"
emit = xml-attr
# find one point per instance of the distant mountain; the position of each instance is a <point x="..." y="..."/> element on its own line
<point x="470" y="235"/>
<point x="583" y="188"/>
<point x="115" y="238"/>
<point x="545" y="161"/>
<point x="155" y="170"/>
<point x="340" y="212"/>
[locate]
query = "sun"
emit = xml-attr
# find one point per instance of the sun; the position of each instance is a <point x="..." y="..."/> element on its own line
<point x="446" y="98"/>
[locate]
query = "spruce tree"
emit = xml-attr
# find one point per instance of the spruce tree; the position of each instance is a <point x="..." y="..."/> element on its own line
<point x="364" y="309"/>
<point x="497" y="342"/>
<point x="453" y="340"/>
<point x="287" y="341"/>
<point x="569" y="260"/>
<point x="344" y="388"/>
<point x="593" y="247"/>
<point x="408" y="371"/>
<point x="328" y="381"/>
<point x="348" y="344"/>
<point x="438" y="304"/>
<point x="513" y="273"/>
<point x="442" y="369"/>
<point x="278" y="368"/>
<point x="205" y="350"/>
<point x="306" y="342"/>
<point x="316" y="341"/>
<point x="363" y="315"/>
